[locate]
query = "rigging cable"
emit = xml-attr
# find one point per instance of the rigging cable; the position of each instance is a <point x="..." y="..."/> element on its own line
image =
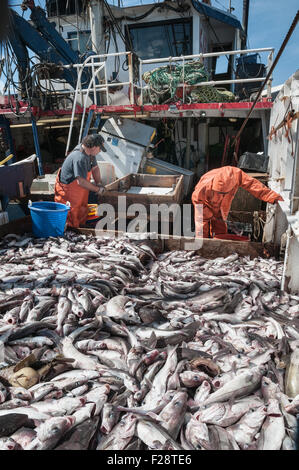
<point x="181" y="9"/>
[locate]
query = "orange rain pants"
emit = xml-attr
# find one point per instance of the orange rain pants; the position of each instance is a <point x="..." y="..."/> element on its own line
<point x="78" y="198"/>
<point x="216" y="206"/>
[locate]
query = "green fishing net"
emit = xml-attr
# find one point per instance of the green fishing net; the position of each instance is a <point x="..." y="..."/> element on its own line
<point x="163" y="85"/>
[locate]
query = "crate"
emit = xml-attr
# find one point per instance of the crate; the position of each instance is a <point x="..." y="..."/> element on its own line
<point x="160" y="167"/>
<point x="253" y="162"/>
<point x="131" y="181"/>
<point x="244" y="201"/>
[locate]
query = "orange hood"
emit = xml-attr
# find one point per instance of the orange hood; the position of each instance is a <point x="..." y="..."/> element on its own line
<point x="225" y="180"/>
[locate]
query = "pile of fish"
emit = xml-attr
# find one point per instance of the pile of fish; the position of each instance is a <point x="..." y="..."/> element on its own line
<point x="113" y="344"/>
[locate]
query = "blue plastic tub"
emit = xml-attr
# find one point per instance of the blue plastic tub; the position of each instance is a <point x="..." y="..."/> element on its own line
<point x="48" y="218"/>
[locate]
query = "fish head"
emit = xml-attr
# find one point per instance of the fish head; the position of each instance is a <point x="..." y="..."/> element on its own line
<point x="197" y="434"/>
<point x="82" y="401"/>
<point x="169" y="396"/>
<point x="70" y="421"/>
<point x="132" y="384"/>
<point x="10" y="319"/>
<point x="192" y="379"/>
<point x="255" y="416"/>
<point x="21" y="393"/>
<point x="48" y="355"/>
<point x="127" y="424"/>
<point x="269" y="388"/>
<point x="138" y="396"/>
<point x="205" y="385"/>
<point x="54" y="427"/>
<point x="54" y="394"/>
<point x="7" y="443"/>
<point x="110" y="416"/>
<point x="163" y="355"/>
<point x="179" y="403"/>
<point x="131" y="317"/>
<point x="217" y="383"/>
<point x="149" y="357"/>
<point x="78" y="310"/>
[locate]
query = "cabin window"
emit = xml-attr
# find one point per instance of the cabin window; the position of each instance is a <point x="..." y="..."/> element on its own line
<point x="161" y="39"/>
<point x="84" y="37"/>
<point x="222" y="65"/>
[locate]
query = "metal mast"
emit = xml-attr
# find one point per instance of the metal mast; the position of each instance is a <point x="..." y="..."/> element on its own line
<point x="245" y="22"/>
<point x="96" y="25"/>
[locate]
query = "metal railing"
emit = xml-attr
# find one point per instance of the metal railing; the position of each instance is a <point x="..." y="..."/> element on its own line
<point x="99" y="82"/>
<point x="201" y="57"/>
<point x="95" y="86"/>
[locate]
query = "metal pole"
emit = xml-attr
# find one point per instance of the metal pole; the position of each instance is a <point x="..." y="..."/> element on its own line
<point x="74" y="106"/>
<point x="140" y="80"/>
<point x="37" y="147"/>
<point x="221" y="82"/>
<point x="87" y="91"/>
<point x="188" y="144"/>
<point x="245" y="23"/>
<point x="208" y="54"/>
<point x="184" y="81"/>
<point x="96" y="13"/>
<point x="295" y="183"/>
<point x="265" y="131"/>
<point x="131" y="77"/>
<point x="207" y="144"/>
<point x="269" y="84"/>
<point x="106" y="82"/>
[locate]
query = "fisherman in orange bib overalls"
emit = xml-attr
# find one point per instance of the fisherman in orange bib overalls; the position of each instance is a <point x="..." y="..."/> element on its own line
<point x="215" y="192"/>
<point x="73" y="178"/>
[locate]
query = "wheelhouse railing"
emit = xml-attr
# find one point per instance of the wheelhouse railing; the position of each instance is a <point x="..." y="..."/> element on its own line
<point x="96" y="92"/>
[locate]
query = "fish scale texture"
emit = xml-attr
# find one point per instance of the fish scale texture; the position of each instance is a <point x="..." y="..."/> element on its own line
<point x="108" y="344"/>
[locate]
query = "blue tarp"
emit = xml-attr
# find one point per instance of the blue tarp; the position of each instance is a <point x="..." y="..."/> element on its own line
<point x="216" y="14"/>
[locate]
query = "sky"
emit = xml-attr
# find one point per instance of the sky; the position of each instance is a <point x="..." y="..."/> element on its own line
<point x="269" y="22"/>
